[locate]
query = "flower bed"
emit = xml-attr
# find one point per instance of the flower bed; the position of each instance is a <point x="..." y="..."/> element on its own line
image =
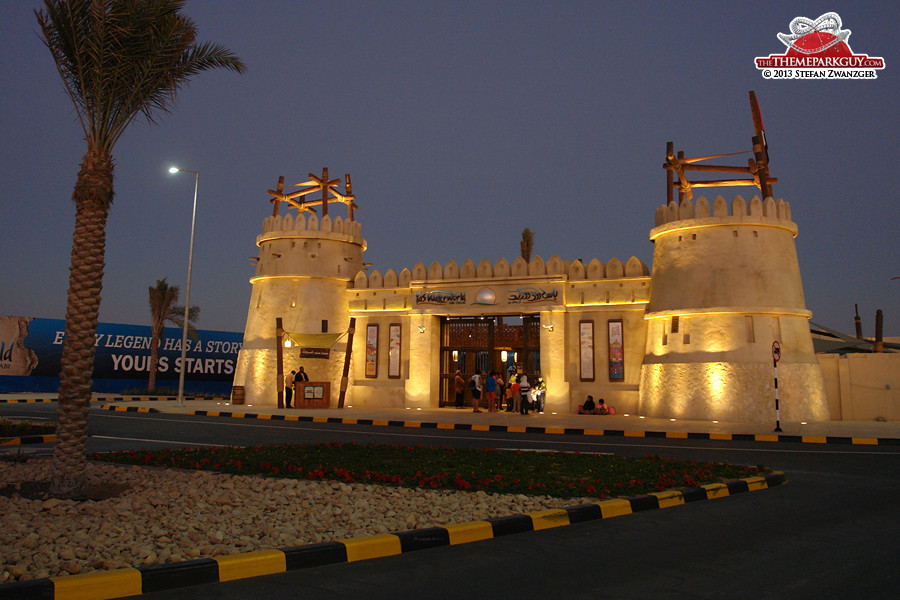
<point x="556" y="474"/>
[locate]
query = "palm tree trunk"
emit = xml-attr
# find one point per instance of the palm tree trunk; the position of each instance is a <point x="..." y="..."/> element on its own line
<point x="92" y="196"/>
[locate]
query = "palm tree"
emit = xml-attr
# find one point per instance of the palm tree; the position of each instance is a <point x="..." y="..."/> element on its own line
<point x="527" y="244"/>
<point x="164" y="310"/>
<point x="118" y="59"/>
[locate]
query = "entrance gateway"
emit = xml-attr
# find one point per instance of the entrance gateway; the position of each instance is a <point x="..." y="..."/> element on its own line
<point x="508" y="344"/>
<point x="694" y="348"/>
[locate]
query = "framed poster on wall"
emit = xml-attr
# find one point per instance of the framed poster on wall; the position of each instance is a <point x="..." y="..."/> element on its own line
<point x="372" y="350"/>
<point x="616" y="350"/>
<point x="586" y="348"/>
<point x="394" y="338"/>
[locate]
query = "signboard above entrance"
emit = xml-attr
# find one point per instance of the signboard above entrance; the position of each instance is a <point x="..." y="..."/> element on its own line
<point x="488" y="297"/>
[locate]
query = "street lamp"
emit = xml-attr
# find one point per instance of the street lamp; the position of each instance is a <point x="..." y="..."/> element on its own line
<point x="187" y="301"/>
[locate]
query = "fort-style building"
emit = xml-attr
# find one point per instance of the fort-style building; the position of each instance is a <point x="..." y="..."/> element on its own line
<point x="692" y="340"/>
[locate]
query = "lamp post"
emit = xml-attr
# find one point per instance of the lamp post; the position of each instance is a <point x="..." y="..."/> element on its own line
<point x="187" y="301"/>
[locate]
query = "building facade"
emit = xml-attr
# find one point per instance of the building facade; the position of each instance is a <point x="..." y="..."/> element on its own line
<point x="692" y="340"/>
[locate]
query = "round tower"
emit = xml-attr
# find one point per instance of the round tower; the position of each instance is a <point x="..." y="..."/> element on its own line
<point x="724" y="287"/>
<point x="303" y="271"/>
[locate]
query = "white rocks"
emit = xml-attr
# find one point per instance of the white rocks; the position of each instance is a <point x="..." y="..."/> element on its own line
<point x="170" y="515"/>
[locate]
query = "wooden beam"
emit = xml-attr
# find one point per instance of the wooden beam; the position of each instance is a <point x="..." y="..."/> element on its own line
<point x="724" y="182"/>
<point x="346" y="374"/>
<point x="716" y="168"/>
<point x="670" y="155"/>
<point x="279" y="361"/>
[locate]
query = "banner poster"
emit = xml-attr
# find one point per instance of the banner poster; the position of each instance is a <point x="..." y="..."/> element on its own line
<point x="31" y="351"/>
<point x="394" y="351"/>
<point x="586" y="345"/>
<point x="372" y="351"/>
<point x="616" y="351"/>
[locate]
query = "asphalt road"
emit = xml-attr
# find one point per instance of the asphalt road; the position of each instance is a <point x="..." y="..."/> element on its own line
<point x="830" y="532"/>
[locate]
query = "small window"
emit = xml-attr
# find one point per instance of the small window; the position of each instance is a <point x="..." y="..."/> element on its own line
<point x="674" y="324"/>
<point x="665" y="336"/>
<point x="324" y="325"/>
<point x="751" y="335"/>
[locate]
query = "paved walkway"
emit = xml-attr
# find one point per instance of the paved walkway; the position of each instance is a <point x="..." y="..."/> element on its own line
<point x="862" y="432"/>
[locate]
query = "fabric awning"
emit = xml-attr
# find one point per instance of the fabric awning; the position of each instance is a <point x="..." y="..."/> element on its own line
<point x="314" y="340"/>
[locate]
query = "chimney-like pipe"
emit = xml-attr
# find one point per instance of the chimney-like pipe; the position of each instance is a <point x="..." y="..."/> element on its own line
<point x="879" y="331"/>
<point x="858" y="323"/>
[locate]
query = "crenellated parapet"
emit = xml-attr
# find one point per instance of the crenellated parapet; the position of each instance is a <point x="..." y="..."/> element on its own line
<point x="485" y="271"/>
<point x="299" y="226"/>
<point x="770" y="211"/>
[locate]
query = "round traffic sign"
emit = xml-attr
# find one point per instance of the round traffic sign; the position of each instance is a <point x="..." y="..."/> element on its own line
<point x="776" y="350"/>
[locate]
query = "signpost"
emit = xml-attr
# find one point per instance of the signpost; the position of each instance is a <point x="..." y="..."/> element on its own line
<point x="776" y="356"/>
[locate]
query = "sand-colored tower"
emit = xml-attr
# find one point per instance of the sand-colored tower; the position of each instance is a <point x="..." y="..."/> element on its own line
<point x="723" y="288"/>
<point x="304" y="269"/>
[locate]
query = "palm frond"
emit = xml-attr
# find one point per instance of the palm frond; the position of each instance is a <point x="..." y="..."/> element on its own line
<point x="122" y="58"/>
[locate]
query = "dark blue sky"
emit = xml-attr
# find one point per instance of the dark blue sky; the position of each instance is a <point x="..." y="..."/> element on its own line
<point x="461" y="123"/>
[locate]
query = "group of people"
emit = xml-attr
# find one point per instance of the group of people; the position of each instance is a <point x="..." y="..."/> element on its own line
<point x="518" y="393"/>
<point x="290" y="383"/>
<point x="599" y="408"/>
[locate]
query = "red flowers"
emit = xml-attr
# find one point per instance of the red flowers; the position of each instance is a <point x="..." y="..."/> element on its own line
<point x="560" y="474"/>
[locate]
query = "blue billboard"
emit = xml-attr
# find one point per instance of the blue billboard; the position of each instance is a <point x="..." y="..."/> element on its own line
<point x="31" y="350"/>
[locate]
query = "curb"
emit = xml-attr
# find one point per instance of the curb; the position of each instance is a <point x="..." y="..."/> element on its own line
<point x="735" y="437"/>
<point x="25" y="400"/>
<point x="28" y="439"/>
<point x="728" y="437"/>
<point x="118" y="399"/>
<point x="131" y="581"/>
<point x="140" y="409"/>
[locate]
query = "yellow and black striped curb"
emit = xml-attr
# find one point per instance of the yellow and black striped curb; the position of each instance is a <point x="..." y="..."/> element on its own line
<point x="28" y="439"/>
<point x="25" y="400"/>
<point x="142" y="580"/>
<point x="737" y="437"/>
<point x="140" y="409"/>
<point x="119" y="399"/>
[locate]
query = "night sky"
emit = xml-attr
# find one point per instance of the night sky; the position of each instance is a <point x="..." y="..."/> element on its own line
<point x="461" y="123"/>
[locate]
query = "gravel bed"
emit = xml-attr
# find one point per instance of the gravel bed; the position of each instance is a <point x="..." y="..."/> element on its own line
<point x="170" y="515"/>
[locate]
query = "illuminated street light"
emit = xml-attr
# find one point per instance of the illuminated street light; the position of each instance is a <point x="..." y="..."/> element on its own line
<point x="187" y="301"/>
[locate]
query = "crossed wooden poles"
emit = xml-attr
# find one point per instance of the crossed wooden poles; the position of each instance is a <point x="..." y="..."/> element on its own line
<point x="757" y="168"/>
<point x="315" y="184"/>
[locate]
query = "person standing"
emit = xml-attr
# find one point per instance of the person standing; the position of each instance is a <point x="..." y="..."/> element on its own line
<point x="500" y="390"/>
<point x="476" y="391"/>
<point x="490" y="392"/>
<point x="541" y="388"/>
<point x="524" y="391"/>
<point x="516" y="394"/>
<point x="288" y="388"/>
<point x="459" y="386"/>
<point x="300" y="378"/>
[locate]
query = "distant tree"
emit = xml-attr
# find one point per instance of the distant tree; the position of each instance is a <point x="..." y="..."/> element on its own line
<point x="527" y="244"/>
<point x="163" y="309"/>
<point x="118" y="59"/>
